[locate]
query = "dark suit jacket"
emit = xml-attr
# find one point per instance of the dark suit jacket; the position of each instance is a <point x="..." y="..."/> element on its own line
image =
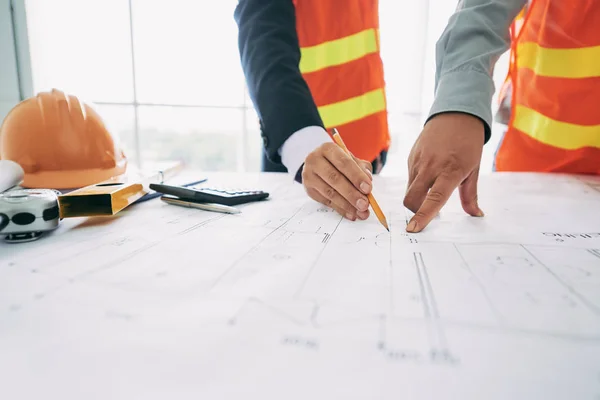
<point x="270" y="55"/>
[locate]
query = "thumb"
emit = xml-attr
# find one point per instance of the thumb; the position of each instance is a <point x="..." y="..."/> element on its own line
<point x="468" y="194"/>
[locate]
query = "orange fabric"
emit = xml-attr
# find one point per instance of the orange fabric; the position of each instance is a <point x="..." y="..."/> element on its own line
<point x="555" y="25"/>
<point x="563" y="24"/>
<point x="514" y="32"/>
<point x="344" y="81"/>
<point x="548" y="97"/>
<point x="526" y="154"/>
<point x="319" y="21"/>
<point x="366" y="138"/>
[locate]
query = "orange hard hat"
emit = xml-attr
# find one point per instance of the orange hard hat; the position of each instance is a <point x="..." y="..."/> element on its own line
<point x="60" y="142"/>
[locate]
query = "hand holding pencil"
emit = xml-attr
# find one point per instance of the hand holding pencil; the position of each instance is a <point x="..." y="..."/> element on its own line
<point x="333" y="177"/>
<point x="372" y="201"/>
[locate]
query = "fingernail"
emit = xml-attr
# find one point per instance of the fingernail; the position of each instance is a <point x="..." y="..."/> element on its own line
<point x="369" y="173"/>
<point x="480" y="213"/>
<point x="363" y="215"/>
<point x="365" y="187"/>
<point x="351" y="217"/>
<point x="412" y="226"/>
<point x="361" y="204"/>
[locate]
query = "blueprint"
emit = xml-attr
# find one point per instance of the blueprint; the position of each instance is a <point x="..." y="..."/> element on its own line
<point x="289" y="301"/>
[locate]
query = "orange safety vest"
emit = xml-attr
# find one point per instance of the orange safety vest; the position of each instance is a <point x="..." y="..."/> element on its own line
<point x="341" y="63"/>
<point x="554" y="76"/>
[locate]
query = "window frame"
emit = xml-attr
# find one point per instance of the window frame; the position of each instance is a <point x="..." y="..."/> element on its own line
<point x="25" y="80"/>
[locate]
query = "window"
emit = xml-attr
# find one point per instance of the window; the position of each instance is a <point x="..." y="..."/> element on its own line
<point x="9" y="80"/>
<point x="186" y="53"/>
<point x="165" y="76"/>
<point x="81" y="47"/>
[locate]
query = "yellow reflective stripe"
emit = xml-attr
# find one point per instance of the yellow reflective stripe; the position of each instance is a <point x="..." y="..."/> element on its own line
<point x="352" y="109"/>
<point x="560" y="63"/>
<point x="555" y="133"/>
<point x="337" y="52"/>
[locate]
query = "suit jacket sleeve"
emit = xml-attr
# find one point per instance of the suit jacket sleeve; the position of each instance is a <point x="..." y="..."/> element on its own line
<point x="270" y="57"/>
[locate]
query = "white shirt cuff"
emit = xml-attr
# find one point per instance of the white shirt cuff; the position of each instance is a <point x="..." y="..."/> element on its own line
<point x="298" y="146"/>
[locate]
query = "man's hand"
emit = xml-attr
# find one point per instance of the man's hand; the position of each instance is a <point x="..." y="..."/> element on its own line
<point x="446" y="155"/>
<point x="332" y="177"/>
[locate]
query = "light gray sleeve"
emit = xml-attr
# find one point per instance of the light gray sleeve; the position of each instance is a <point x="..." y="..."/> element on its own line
<point x="477" y="35"/>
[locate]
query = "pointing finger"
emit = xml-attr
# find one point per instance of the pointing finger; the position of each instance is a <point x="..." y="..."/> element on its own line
<point x="417" y="191"/>
<point x="434" y="201"/>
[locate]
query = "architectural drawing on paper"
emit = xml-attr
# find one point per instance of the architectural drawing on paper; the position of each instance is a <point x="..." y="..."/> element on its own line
<point x="297" y="276"/>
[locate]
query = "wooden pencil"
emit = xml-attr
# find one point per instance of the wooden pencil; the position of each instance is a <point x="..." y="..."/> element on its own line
<point x="380" y="216"/>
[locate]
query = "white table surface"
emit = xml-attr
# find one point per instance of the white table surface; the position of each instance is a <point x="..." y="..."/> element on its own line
<point x="288" y="301"/>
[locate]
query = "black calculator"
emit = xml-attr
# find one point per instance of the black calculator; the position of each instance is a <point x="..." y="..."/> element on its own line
<point x="228" y="197"/>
